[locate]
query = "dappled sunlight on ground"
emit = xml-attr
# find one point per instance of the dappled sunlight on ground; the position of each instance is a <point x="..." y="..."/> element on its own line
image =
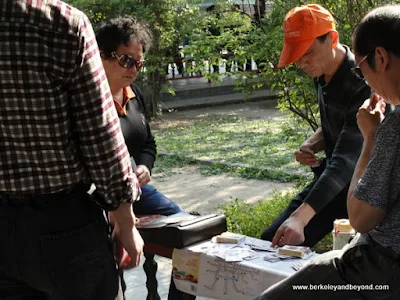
<point x="195" y="192"/>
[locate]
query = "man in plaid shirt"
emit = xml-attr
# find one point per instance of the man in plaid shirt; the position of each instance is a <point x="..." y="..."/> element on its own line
<point x="59" y="132"/>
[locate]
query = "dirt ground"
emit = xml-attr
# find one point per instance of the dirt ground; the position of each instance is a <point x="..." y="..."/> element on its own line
<point x="195" y="192"/>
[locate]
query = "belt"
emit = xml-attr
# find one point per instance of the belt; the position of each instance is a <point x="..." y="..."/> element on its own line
<point x="40" y="200"/>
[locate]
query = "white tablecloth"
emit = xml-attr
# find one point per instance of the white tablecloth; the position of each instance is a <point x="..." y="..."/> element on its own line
<point x="206" y="275"/>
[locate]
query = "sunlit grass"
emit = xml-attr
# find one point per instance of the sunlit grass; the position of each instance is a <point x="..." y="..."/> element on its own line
<point x="251" y="148"/>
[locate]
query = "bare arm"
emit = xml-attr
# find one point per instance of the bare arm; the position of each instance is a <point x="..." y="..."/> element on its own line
<point x="363" y="216"/>
<point x="126" y="234"/>
<point x="291" y="232"/>
<point x="315" y="142"/>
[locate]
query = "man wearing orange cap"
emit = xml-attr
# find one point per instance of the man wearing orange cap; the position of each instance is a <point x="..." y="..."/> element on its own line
<point x="312" y="43"/>
<point x="368" y="267"/>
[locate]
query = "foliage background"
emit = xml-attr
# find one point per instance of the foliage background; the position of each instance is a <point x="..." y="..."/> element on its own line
<point x="241" y="36"/>
<point x="170" y="20"/>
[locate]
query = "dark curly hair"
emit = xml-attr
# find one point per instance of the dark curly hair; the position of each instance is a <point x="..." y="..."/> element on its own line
<point x="122" y="30"/>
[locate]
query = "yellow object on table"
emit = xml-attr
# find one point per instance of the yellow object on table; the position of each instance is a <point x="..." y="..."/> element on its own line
<point x="342" y="233"/>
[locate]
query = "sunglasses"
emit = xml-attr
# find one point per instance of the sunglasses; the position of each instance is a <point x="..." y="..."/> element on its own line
<point x="357" y="70"/>
<point x="127" y="61"/>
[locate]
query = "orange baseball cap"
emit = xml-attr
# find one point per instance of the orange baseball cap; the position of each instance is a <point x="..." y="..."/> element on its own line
<point x="301" y="27"/>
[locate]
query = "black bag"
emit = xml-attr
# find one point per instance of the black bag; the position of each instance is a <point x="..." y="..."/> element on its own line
<point x="186" y="232"/>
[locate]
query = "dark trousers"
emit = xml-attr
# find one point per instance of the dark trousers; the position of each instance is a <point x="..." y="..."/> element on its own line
<point x="55" y="247"/>
<point x="360" y="271"/>
<point x="153" y="202"/>
<point x="320" y="225"/>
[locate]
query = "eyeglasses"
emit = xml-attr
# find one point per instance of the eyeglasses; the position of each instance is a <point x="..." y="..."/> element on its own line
<point x="357" y="70"/>
<point x="127" y="61"/>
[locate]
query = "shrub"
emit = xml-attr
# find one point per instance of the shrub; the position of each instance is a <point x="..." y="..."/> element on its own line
<point x="252" y="219"/>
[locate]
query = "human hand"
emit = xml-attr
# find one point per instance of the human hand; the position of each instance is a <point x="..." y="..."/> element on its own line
<point x="306" y="156"/>
<point x="291" y="232"/>
<point x="143" y="175"/>
<point x="129" y="245"/>
<point x="370" y="115"/>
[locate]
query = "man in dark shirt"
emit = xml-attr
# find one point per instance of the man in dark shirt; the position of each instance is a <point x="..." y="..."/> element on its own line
<point x="312" y="42"/>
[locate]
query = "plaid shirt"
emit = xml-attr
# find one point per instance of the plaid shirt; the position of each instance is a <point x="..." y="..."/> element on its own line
<point x="58" y="124"/>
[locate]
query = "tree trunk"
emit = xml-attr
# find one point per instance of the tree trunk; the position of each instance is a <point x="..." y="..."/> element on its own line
<point x="154" y="76"/>
<point x="260" y="7"/>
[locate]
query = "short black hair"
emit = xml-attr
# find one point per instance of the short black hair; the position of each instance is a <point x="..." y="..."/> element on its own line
<point x="122" y="30"/>
<point x="379" y="28"/>
<point x="322" y="38"/>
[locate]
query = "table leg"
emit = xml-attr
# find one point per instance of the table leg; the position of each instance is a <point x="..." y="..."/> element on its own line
<point x="188" y="297"/>
<point x="175" y="294"/>
<point x="150" y="268"/>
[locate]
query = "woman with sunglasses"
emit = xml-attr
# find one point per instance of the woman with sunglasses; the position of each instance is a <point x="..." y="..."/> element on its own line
<point x="123" y="41"/>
